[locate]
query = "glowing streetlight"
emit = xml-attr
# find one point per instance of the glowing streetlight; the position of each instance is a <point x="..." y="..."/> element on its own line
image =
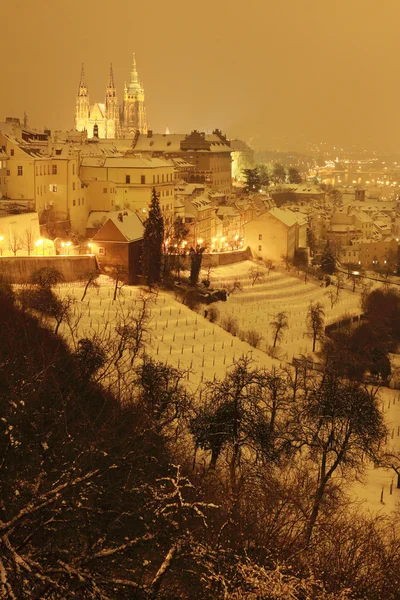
<point x="200" y="241"/>
<point x="39" y="243"/>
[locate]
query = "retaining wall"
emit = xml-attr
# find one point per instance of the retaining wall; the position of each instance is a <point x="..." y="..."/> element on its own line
<point x="217" y="259"/>
<point x="19" y="269"/>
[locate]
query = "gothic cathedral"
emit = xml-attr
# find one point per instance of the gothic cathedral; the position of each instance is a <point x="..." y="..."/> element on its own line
<point x="110" y="120"/>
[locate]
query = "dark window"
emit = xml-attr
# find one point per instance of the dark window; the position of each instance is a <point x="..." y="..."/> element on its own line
<point x="104" y="190"/>
<point x="54" y="170"/>
<point x="12" y="152"/>
<point x="127" y="180"/>
<point x="260" y="248"/>
<point x="260" y="236"/>
<point x="20" y="170"/>
<point x="143" y="179"/>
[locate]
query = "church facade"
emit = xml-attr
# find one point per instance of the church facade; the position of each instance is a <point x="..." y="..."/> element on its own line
<point x="112" y="120"/>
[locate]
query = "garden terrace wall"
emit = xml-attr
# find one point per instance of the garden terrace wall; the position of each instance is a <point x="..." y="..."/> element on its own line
<point x="217" y="259"/>
<point x="19" y="269"/>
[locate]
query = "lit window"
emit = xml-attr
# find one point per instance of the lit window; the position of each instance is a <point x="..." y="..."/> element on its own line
<point x="54" y="170"/>
<point x="54" y="188"/>
<point x="20" y="170"/>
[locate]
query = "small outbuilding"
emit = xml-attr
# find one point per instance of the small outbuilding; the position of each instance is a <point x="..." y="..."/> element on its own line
<point x="119" y="242"/>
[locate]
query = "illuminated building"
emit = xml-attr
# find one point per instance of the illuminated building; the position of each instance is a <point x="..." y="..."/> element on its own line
<point x="110" y="120"/>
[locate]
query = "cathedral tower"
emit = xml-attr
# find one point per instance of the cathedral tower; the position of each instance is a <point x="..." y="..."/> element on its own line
<point x="112" y="108"/>
<point x="134" y="111"/>
<point x="82" y="112"/>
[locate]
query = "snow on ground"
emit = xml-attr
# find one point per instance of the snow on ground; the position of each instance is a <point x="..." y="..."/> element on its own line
<point x="257" y="304"/>
<point x="178" y="336"/>
<point x="187" y="340"/>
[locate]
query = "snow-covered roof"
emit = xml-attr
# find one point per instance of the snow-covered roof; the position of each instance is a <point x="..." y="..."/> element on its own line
<point x="288" y="217"/>
<point x="136" y="162"/>
<point x="171" y="142"/>
<point x="127" y="223"/>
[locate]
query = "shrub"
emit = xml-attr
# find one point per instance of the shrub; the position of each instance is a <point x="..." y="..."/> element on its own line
<point x="230" y="325"/>
<point x="213" y="314"/>
<point x="253" y="337"/>
<point x="46" y="277"/>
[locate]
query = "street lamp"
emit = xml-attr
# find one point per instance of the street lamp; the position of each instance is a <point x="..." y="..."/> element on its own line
<point x="39" y="243"/>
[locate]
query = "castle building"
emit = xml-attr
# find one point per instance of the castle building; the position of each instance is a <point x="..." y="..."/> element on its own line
<point x="110" y="120"/>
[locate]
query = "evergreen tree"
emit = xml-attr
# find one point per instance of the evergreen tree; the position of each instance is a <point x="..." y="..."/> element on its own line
<point x="263" y="175"/>
<point x="328" y="262"/>
<point x="294" y="175"/>
<point x="152" y="242"/>
<point x="279" y="173"/>
<point x="196" y="256"/>
<point x="252" y="180"/>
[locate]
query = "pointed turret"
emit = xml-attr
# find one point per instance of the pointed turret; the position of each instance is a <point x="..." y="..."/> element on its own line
<point x="134" y="83"/>
<point x="111" y="84"/>
<point x="83" y="89"/>
<point x="82" y="103"/>
<point x="112" y="108"/>
<point x="133" y="111"/>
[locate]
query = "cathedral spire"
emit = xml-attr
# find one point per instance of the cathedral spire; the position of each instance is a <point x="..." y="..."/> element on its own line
<point x="82" y="82"/>
<point x="134" y="73"/>
<point x="111" y="83"/>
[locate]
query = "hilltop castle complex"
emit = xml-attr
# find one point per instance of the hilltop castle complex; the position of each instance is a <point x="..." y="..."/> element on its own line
<point x="112" y="120"/>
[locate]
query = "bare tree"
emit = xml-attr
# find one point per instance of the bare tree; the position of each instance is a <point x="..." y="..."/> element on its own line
<point x="28" y="241"/>
<point x="91" y="281"/>
<point x="269" y="264"/>
<point x="235" y="286"/>
<point x="344" y="426"/>
<point x="286" y="261"/>
<point x="315" y="322"/>
<point x="14" y="242"/>
<point x="118" y="273"/>
<point x="256" y="275"/>
<point x="279" y="323"/>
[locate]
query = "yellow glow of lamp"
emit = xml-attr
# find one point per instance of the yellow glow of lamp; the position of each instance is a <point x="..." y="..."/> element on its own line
<point x="39" y="243"/>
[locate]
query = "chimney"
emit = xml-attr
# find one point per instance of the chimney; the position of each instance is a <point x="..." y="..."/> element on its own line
<point x="150" y="133"/>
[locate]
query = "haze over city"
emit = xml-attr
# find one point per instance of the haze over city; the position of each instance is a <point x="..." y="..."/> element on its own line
<point x="276" y="74"/>
<point x="199" y="300"/>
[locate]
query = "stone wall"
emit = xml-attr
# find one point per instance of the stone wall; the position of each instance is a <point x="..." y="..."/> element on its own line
<point x="18" y="269"/>
<point x="217" y="259"/>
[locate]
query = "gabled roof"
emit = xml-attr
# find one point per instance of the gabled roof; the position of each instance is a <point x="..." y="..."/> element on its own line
<point x="128" y="226"/>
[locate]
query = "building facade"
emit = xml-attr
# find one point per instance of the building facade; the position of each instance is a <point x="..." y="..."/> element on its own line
<point x="110" y="120"/>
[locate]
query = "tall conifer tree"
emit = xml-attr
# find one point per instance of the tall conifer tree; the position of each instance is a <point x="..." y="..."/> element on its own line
<point x="152" y="242"/>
